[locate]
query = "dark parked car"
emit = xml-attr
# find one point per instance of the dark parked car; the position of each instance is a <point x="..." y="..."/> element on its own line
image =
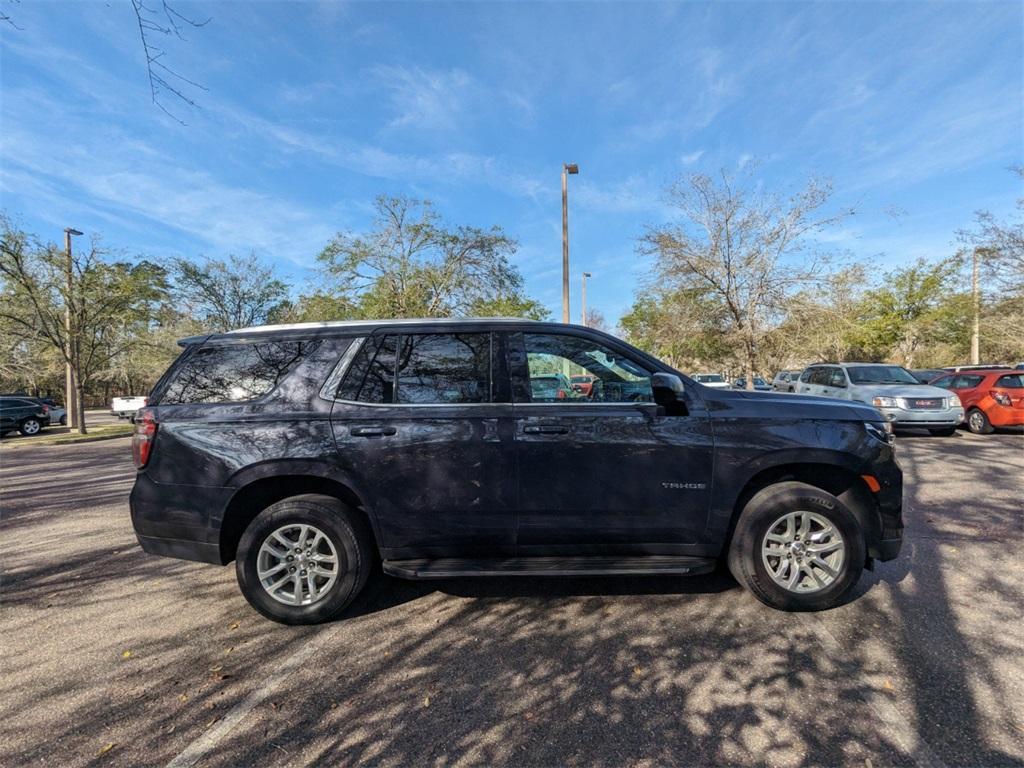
<point x="304" y="453"/>
<point x="925" y="375"/>
<point x="760" y="385"/>
<point x="25" y="414"/>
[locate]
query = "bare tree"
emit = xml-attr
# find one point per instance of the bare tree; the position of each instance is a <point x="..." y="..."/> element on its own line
<point x="749" y="249"/>
<point x="163" y="18"/>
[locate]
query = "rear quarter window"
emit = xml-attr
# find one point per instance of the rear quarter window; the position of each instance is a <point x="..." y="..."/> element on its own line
<point x="233" y="373"/>
<point x="1011" y="381"/>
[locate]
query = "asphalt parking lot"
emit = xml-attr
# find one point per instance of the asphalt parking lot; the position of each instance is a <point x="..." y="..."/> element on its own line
<point x="115" y="657"/>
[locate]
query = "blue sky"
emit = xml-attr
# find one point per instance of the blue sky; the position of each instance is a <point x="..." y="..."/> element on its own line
<point x="913" y="109"/>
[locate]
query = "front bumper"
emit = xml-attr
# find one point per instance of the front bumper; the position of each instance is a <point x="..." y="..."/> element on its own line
<point x="886" y="541"/>
<point x="901" y="417"/>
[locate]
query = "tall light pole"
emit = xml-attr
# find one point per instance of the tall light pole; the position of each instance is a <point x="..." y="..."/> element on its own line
<point x="583" y="311"/>
<point x="70" y="388"/>
<point x="975" y="310"/>
<point x="567" y="168"/>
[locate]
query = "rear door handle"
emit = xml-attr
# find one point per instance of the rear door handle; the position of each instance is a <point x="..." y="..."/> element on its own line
<point x="372" y="431"/>
<point x="546" y="429"/>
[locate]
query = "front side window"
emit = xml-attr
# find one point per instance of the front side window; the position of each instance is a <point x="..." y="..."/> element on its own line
<point x="968" y="381"/>
<point x="420" y="369"/>
<point x="554" y="359"/>
<point x="234" y="373"/>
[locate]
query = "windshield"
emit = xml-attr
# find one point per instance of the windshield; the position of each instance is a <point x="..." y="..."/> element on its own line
<point x="880" y="374"/>
<point x="706" y="378"/>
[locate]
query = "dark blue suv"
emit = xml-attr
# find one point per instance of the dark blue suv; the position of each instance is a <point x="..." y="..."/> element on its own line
<point x="306" y="453"/>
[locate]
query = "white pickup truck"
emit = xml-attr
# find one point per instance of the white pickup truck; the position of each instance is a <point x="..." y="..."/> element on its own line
<point x="125" y="407"/>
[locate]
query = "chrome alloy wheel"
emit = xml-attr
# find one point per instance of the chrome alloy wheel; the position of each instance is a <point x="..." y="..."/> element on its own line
<point x="297" y="564"/>
<point x="803" y="552"/>
<point x="31" y="427"/>
<point x="976" y="421"/>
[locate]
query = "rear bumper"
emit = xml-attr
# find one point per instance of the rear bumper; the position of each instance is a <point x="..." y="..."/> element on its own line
<point x="180" y="521"/>
<point x="182" y="549"/>
<point x="1002" y="416"/>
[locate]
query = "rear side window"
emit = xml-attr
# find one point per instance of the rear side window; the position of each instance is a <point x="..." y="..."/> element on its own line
<point x="444" y="368"/>
<point x="1012" y="381"/>
<point x="421" y="369"/>
<point x="233" y="373"/>
<point x="805" y="377"/>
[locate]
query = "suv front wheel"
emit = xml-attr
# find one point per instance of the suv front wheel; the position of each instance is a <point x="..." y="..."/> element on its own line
<point x="304" y="559"/>
<point x="797" y="548"/>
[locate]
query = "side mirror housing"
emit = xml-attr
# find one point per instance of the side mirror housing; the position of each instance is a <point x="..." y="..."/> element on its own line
<point x="667" y="388"/>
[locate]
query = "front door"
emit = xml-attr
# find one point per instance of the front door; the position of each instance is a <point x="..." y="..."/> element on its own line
<point x="606" y="471"/>
<point x="420" y="427"/>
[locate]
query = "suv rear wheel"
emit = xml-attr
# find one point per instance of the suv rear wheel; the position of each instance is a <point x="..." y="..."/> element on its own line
<point x="797" y="548"/>
<point x="304" y="559"/>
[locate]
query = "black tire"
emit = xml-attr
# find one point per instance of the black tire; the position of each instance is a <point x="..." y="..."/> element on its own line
<point x="978" y="422"/>
<point x="64" y="420"/>
<point x="944" y="432"/>
<point x="349" y="537"/>
<point x="30" y="426"/>
<point x="767" y="506"/>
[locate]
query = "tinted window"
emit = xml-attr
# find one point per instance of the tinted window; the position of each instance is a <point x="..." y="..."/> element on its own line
<point x="880" y="374"/>
<point x="553" y="358"/>
<point x="371" y="376"/>
<point x="819" y="376"/>
<point x="946" y="382"/>
<point x="805" y="377"/>
<point x="445" y="368"/>
<point x="967" y="382"/>
<point x="1013" y="381"/>
<point x="233" y="373"/>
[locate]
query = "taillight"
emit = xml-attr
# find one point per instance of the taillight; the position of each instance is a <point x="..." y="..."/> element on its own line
<point x="1001" y="397"/>
<point x="46" y="409"/>
<point x="143" y="437"/>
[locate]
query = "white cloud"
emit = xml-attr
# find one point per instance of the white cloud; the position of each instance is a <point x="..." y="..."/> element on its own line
<point x="692" y="157"/>
<point x="425" y="99"/>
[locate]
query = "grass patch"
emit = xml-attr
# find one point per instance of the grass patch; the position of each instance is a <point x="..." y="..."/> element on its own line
<point x="48" y="437"/>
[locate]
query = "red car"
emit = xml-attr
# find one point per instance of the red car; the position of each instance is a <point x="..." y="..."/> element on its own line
<point x="583" y="383"/>
<point x="993" y="398"/>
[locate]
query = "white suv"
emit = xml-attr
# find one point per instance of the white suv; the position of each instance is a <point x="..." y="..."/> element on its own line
<point x="891" y="389"/>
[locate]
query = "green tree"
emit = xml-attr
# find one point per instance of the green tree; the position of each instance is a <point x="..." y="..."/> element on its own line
<point x="104" y="298"/>
<point x="907" y="311"/>
<point x="410" y="264"/>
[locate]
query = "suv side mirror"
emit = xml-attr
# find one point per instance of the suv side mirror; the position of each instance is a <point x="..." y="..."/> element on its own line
<point x="667" y="388"/>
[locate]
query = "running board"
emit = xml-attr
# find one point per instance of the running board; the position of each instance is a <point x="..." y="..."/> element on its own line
<point x="451" y="567"/>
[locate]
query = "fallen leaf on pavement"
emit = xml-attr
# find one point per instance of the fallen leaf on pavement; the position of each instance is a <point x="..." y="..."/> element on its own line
<point x="426" y="701"/>
<point x="888" y="685"/>
<point x="126" y="654"/>
<point x="183" y="697"/>
<point x="106" y="749"/>
<point x="233" y="625"/>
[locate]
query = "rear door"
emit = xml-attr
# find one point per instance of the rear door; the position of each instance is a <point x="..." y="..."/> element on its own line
<point x="608" y="472"/>
<point x="422" y="422"/>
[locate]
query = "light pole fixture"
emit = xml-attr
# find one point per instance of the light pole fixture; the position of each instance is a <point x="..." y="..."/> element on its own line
<point x="567" y="168"/>
<point x="70" y="388"/>
<point x="583" y="311"/>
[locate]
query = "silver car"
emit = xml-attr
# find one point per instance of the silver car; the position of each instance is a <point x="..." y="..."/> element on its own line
<point x="891" y="389"/>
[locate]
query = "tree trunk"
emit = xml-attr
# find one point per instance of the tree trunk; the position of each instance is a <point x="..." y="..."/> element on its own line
<point x="80" y="397"/>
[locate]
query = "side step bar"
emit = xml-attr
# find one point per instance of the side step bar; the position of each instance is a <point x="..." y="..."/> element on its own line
<point x="447" y="568"/>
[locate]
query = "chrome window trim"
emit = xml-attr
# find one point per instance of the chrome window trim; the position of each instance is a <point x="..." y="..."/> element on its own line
<point x="330" y="387"/>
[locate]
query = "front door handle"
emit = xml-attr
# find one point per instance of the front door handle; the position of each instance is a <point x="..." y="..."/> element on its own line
<point x="546" y="429"/>
<point x="372" y="431"/>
